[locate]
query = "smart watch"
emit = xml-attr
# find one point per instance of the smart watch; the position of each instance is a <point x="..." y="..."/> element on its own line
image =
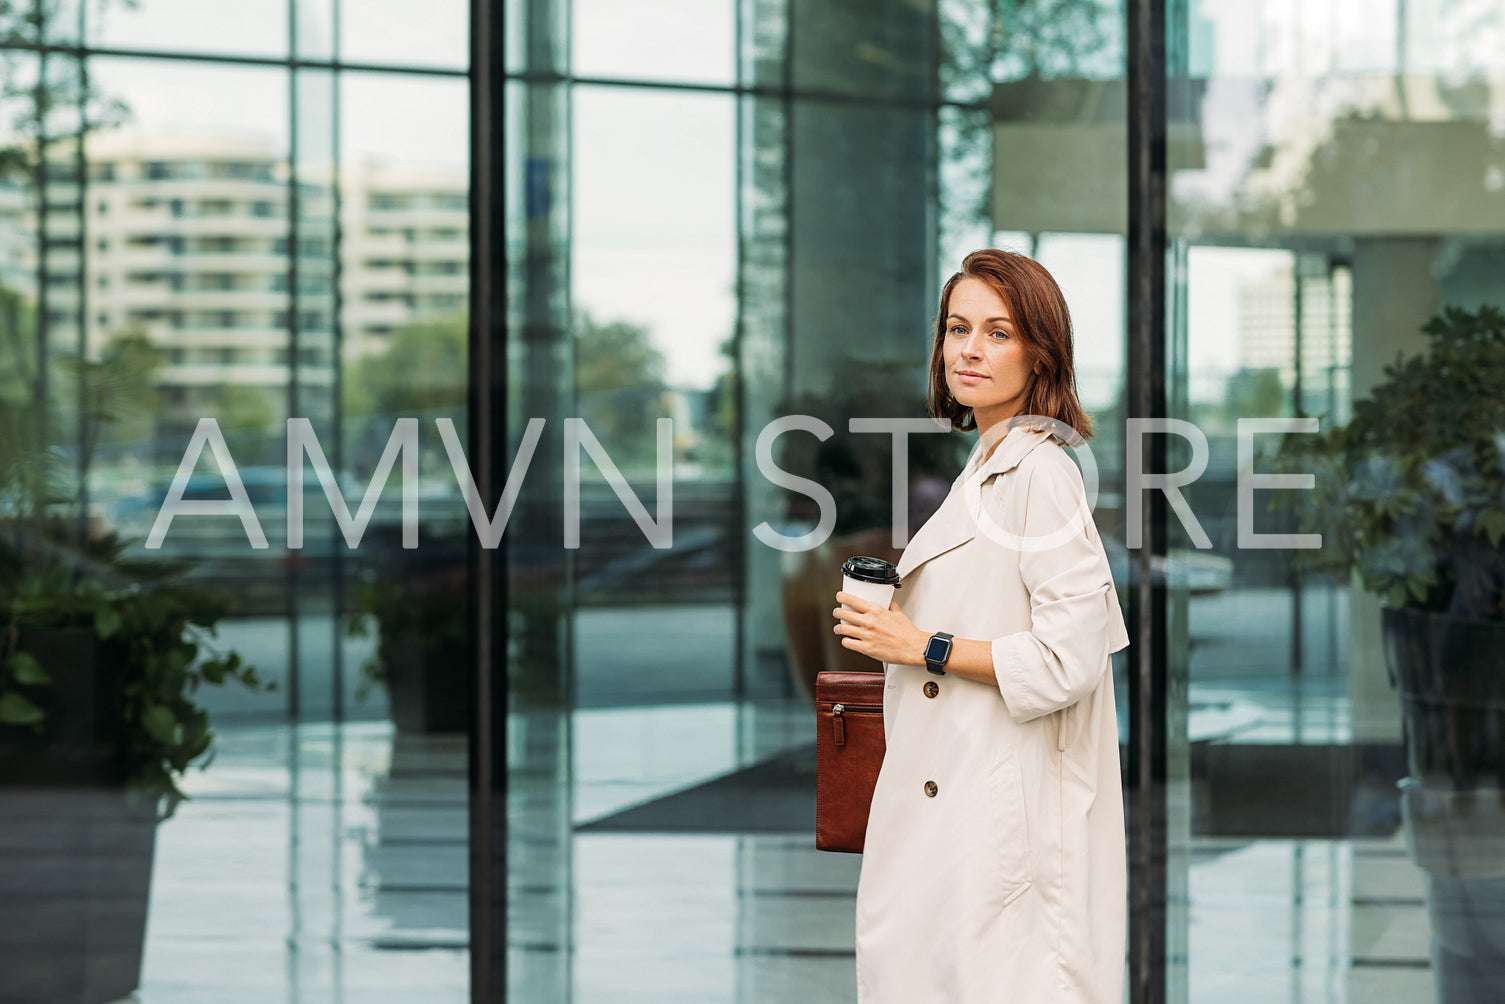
<point x="937" y="651"/>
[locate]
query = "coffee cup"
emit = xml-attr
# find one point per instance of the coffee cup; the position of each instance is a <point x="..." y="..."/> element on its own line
<point x="873" y="579"/>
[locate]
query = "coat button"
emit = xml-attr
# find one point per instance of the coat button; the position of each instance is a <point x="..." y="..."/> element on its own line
<point x="931" y="789"/>
<point x="932" y="688"/>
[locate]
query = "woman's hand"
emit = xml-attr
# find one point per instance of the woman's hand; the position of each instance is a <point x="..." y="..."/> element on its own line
<point x="885" y="635"/>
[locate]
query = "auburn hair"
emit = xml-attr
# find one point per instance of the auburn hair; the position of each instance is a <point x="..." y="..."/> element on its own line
<point x="1041" y="322"/>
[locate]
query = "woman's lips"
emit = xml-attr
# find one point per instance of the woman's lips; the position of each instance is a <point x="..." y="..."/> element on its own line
<point x="968" y="376"/>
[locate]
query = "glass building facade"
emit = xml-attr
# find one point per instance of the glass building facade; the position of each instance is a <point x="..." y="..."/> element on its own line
<point x="440" y="350"/>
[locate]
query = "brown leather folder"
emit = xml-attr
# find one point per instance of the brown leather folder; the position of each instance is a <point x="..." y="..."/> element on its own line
<point x="849" y="748"/>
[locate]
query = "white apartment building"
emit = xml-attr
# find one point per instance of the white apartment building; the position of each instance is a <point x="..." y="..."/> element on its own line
<point x="187" y="239"/>
<point x="407" y="250"/>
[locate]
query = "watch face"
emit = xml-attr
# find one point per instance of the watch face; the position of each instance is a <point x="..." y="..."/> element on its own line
<point x="937" y="649"/>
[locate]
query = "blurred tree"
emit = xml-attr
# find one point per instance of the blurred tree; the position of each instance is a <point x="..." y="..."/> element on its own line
<point x="120" y="398"/>
<point x="422" y="368"/>
<point x="620" y="389"/>
<point x="1254" y="393"/>
<point x="246" y="407"/>
<point x="619" y="380"/>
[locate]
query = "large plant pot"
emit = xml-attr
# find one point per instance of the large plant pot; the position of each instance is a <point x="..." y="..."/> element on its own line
<point x="427" y="689"/>
<point x="78" y="855"/>
<point x="73" y="894"/>
<point x="1450" y="674"/>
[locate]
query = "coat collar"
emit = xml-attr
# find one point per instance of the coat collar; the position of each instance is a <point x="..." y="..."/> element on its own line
<point x="1016" y="445"/>
<point x="955" y="522"/>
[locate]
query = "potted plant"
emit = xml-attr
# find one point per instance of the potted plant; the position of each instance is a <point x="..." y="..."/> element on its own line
<point x="1410" y="495"/>
<point x="417" y="602"/>
<point x="101" y="658"/>
<point x="100" y="661"/>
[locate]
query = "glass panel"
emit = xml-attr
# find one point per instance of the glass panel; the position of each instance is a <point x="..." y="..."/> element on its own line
<point x="874" y="50"/>
<point x="404" y="284"/>
<point x="678" y="40"/>
<point x="653" y="268"/>
<point x="540" y="392"/>
<point x="114" y="691"/>
<point x="169" y="272"/>
<point x="315" y="29"/>
<point x="1337" y="187"/>
<point x="400" y="33"/>
<point x="763" y="39"/>
<point x="405" y="280"/>
<point x="248" y="28"/>
<point x="989" y="40"/>
<point x="654" y="315"/>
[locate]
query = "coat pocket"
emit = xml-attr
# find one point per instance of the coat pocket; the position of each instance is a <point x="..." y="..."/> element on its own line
<point x="1010" y="827"/>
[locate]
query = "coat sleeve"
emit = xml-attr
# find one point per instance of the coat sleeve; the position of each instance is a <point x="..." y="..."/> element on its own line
<point x="1075" y="622"/>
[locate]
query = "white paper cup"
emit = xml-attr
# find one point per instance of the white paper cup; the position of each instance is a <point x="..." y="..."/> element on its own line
<point x="873" y="592"/>
<point x="873" y="579"/>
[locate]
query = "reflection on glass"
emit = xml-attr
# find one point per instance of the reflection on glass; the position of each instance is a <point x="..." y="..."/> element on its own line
<point x="251" y="28"/>
<point x="680" y="40"/>
<point x="169" y="294"/>
<point x="1340" y="189"/>
<point x="110" y="662"/>
<point x="405" y="229"/>
<point x="654" y="319"/>
<point x="404" y="283"/>
<point x="400" y="33"/>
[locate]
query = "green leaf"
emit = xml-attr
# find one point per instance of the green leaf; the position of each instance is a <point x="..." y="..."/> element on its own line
<point x="106" y="621"/>
<point x="27" y="670"/>
<point x="213" y="670"/>
<point x="17" y="710"/>
<point x="159" y="723"/>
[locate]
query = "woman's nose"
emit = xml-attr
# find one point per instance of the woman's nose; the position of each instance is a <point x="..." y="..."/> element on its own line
<point x="972" y="347"/>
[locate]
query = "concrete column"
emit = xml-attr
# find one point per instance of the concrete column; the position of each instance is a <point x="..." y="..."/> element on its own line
<point x="1396" y="289"/>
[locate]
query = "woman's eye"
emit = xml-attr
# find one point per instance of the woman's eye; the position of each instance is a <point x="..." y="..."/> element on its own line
<point x="958" y="329"/>
<point x="1000" y="335"/>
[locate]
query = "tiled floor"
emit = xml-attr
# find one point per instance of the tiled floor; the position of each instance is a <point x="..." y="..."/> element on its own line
<point x="314" y="864"/>
<point x="328" y="864"/>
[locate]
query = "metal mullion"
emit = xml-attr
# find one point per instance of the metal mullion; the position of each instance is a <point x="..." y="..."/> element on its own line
<point x="1146" y="398"/>
<point x="337" y="347"/>
<point x="180" y="55"/>
<point x="43" y="321"/>
<point x="757" y="91"/>
<point x="487" y="418"/>
<point x="80" y="168"/>
<point x="294" y="684"/>
<point x="739" y="391"/>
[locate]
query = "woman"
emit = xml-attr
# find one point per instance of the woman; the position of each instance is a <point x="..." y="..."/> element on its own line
<point x="994" y="861"/>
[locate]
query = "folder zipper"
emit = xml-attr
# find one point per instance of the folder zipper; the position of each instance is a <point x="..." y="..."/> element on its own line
<point x="838" y="722"/>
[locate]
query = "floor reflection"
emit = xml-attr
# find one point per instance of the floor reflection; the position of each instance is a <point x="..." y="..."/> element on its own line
<point x="316" y="863"/>
<point x="328" y="864"/>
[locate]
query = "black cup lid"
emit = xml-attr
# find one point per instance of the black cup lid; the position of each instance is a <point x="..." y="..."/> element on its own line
<point x="866" y="569"/>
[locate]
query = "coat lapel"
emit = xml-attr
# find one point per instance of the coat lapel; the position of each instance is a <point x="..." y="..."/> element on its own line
<point x="955" y="522"/>
<point x="951" y="526"/>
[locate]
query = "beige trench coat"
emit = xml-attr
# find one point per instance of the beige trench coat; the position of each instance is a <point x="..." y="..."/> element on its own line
<point x="1008" y="882"/>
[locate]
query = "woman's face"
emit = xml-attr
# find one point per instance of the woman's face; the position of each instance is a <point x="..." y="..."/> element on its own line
<point x="987" y="368"/>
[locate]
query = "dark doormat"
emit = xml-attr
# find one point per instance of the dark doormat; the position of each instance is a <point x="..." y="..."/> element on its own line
<point x="776" y="795"/>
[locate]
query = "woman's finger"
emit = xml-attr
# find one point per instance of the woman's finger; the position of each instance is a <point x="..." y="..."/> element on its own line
<point x="854" y="601"/>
